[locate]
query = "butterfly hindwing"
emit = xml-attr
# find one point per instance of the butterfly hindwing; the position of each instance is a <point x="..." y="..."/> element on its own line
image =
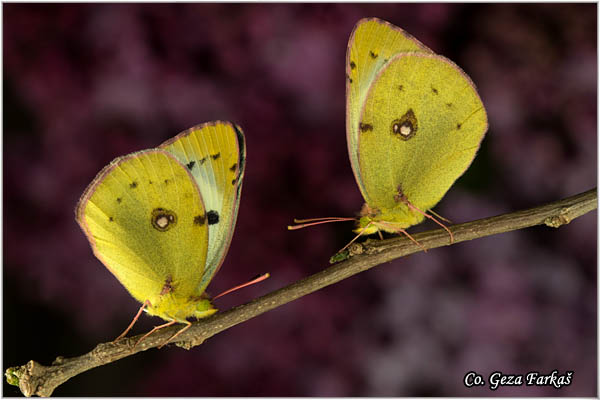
<point x="427" y="123"/>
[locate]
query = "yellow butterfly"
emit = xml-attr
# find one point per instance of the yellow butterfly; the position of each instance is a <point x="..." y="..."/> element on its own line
<point x="161" y="220"/>
<point x="414" y="122"/>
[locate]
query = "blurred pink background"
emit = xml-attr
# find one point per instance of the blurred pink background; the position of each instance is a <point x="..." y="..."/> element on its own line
<point x="86" y="83"/>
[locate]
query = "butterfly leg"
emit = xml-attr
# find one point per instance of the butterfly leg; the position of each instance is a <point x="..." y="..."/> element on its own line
<point x="356" y="237"/>
<point x="144" y="305"/>
<point x="439" y="216"/>
<point x="392" y="228"/>
<point x="401" y="197"/>
<point x="187" y="326"/>
<point x="413" y="239"/>
<point x="431" y="218"/>
<point x="154" y="330"/>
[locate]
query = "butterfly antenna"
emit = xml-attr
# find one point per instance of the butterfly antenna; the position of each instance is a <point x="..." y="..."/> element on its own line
<point x="259" y="278"/>
<point x="296" y="220"/>
<point x="144" y="305"/>
<point x="303" y="223"/>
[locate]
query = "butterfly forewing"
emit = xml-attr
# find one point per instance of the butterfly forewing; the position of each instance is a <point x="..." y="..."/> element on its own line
<point x="372" y="44"/>
<point x="214" y="154"/>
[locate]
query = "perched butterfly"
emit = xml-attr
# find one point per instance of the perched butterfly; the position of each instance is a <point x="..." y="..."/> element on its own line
<point x="161" y="220"/>
<point x="414" y="122"/>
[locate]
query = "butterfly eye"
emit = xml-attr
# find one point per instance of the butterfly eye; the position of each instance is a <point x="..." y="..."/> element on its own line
<point x="163" y="220"/>
<point x="406" y="126"/>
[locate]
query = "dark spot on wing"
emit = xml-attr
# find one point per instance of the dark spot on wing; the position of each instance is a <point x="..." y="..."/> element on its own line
<point x="365" y="127"/>
<point x="150" y="182"/>
<point x="190" y="165"/>
<point x="242" y="157"/>
<point x="199" y="219"/>
<point x="434" y="90"/>
<point x="133" y="184"/>
<point x="167" y="181"/>
<point x="110" y="219"/>
<point x="242" y="148"/>
<point x="401" y="87"/>
<point x="215" y="156"/>
<point x="352" y="65"/>
<point x="449" y="105"/>
<point x="458" y="126"/>
<point x="373" y="55"/>
<point x="233" y="167"/>
<point x="202" y="160"/>
<point x="213" y="217"/>
<point x="119" y="200"/>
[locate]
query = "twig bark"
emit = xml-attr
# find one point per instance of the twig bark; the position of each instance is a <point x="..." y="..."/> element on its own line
<point x="36" y="379"/>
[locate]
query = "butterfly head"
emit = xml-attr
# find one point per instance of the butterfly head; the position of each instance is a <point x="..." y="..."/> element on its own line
<point x="204" y="308"/>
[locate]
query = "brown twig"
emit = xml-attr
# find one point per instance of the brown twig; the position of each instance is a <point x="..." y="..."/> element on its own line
<point x="36" y="379"/>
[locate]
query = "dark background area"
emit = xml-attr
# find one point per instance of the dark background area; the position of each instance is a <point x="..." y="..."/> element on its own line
<point x="86" y="83"/>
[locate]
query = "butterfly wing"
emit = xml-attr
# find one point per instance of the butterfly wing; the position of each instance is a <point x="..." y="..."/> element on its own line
<point x="146" y="222"/>
<point x="427" y="124"/>
<point x="215" y="155"/>
<point x="372" y="44"/>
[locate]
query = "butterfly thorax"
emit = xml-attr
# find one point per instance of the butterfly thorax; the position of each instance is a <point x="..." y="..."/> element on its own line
<point x="172" y="306"/>
<point x="391" y="220"/>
